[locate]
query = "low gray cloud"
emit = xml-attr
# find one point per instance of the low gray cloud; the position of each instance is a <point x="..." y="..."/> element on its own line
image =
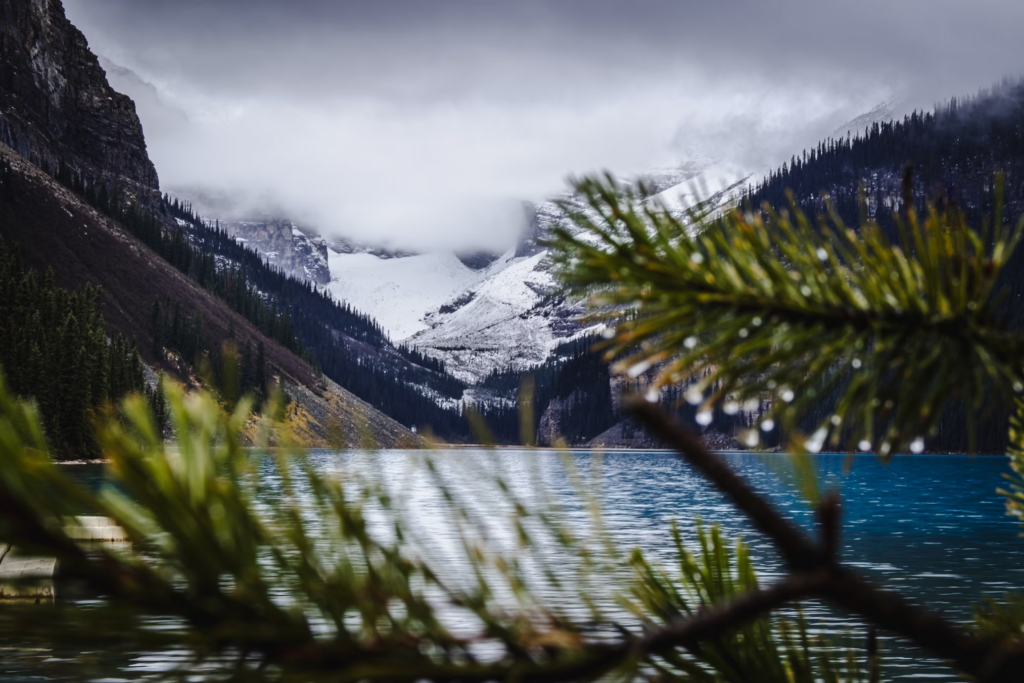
<point x="429" y="123"/>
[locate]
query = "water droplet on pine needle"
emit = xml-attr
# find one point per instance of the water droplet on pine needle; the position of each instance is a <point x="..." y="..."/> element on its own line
<point x="817" y="440"/>
<point x="638" y="369"/>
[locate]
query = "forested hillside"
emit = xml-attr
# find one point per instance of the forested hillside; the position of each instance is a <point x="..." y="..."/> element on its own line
<point x="348" y="346"/>
<point x="954" y="154"/>
<point x="54" y="348"/>
<point x="955" y="150"/>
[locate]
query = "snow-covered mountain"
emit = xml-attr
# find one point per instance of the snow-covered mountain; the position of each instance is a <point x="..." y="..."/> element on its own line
<point x="511" y="318"/>
<point x="476" y="321"/>
<point x="505" y="315"/>
<point x="479" y="314"/>
<point x="399" y="291"/>
<point x="297" y="250"/>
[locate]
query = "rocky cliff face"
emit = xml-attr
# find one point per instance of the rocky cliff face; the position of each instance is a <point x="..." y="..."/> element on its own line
<point x="284" y="246"/>
<point x="56" y="103"/>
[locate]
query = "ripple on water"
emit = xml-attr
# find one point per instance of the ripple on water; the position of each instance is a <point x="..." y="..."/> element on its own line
<point x="948" y="515"/>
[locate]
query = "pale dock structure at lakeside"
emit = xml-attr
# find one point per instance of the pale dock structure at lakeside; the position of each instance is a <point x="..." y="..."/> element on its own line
<point x="28" y="577"/>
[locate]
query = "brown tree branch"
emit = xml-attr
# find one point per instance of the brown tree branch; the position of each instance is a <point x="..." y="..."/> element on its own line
<point x="798" y="551"/>
<point x="721" y="619"/>
<point x="833" y="582"/>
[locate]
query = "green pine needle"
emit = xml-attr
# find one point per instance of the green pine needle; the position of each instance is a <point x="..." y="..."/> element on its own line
<point x="750" y="306"/>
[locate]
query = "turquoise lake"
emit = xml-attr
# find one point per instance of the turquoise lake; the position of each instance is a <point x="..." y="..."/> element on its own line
<point x="931" y="527"/>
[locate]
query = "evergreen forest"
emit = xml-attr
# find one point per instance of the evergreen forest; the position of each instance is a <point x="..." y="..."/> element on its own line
<point x="947" y="159"/>
<point x="54" y="349"/>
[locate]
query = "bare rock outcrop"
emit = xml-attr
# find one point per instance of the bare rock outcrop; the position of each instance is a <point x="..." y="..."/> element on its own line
<point x="57" y="106"/>
<point x="284" y="246"/>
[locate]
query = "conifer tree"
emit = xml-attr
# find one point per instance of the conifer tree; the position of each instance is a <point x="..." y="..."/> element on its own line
<point x="53" y="348"/>
<point x="261" y="370"/>
<point x="157" y="321"/>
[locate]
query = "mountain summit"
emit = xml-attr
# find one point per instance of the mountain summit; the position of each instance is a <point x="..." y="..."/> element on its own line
<point x="56" y="105"/>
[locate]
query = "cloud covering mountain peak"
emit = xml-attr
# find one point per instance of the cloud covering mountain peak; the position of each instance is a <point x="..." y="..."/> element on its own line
<point x="426" y="125"/>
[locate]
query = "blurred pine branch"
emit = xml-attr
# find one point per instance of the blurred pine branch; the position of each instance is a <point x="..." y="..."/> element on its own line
<point x="764" y="304"/>
<point x="207" y="555"/>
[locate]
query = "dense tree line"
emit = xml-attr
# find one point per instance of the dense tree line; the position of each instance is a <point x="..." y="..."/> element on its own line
<point x="575" y="375"/>
<point x="955" y="150"/>
<point x="233" y="372"/>
<point x="578" y="376"/>
<point x="54" y="348"/>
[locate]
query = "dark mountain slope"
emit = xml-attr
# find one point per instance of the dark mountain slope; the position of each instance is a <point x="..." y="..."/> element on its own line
<point x="955" y="150"/>
<point x="82" y="148"/>
<point x="53" y="228"/>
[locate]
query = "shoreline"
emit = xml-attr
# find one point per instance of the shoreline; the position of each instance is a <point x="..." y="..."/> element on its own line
<point x="505" y="447"/>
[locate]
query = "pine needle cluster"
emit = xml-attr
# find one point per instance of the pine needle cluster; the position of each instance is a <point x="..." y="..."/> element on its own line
<point x="313" y="590"/>
<point x="764" y="305"/>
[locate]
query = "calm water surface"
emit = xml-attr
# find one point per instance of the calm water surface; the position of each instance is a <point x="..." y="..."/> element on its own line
<point x="931" y="527"/>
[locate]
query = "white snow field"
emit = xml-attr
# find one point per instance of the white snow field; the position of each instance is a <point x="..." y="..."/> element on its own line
<point x="398" y="292"/>
<point x="496" y="324"/>
<point x="475" y="321"/>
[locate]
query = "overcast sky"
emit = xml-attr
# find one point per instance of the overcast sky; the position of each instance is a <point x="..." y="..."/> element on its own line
<point x="427" y="123"/>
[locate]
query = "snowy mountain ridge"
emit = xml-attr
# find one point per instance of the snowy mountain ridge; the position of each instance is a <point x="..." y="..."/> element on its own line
<point x="398" y="291"/>
<point x="507" y="315"/>
<point x="284" y="245"/>
<point x="479" y="314"/>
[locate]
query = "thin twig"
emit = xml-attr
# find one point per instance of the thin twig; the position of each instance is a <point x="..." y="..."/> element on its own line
<point x="829" y="514"/>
